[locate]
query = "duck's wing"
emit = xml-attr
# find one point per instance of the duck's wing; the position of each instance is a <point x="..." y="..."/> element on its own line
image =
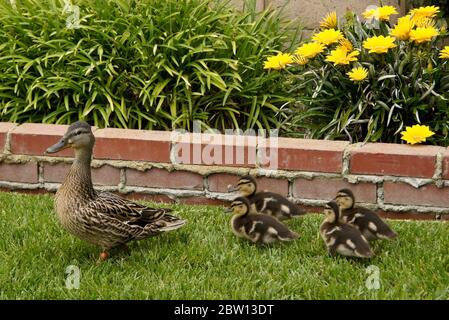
<point x="275" y="204"/>
<point x="369" y="220"/>
<point x="125" y="210"/>
<point x="277" y="228"/>
<point x="351" y="242"/>
<point x="260" y="226"/>
<point x="113" y="230"/>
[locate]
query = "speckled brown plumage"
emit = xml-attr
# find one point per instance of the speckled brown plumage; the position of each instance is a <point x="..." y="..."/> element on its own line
<point x="101" y="218"/>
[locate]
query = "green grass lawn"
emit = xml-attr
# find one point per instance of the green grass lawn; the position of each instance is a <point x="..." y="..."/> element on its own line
<point x="204" y="260"/>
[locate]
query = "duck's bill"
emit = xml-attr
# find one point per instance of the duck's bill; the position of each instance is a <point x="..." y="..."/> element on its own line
<point x="232" y="188"/>
<point x="228" y="210"/>
<point x="58" y="146"/>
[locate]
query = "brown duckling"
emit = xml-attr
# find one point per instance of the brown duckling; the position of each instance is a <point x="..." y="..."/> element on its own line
<point x="101" y="218"/>
<point x="258" y="228"/>
<point x="269" y="203"/>
<point x="342" y="238"/>
<point x="367" y="221"/>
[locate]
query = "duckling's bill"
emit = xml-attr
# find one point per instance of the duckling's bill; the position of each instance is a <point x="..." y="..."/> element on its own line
<point x="233" y="188"/>
<point x="227" y="210"/>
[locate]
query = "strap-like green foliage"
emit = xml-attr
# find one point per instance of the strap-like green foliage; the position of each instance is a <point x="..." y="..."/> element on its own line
<point x="153" y="64"/>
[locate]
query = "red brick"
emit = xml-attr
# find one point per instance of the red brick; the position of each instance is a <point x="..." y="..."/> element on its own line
<point x="16" y="172"/>
<point x="279" y="186"/>
<point x="446" y="164"/>
<point x="326" y="189"/>
<point x="219" y="182"/>
<point x="215" y="149"/>
<point x="5" y="127"/>
<point x="394" y="159"/>
<point x="35" y="138"/>
<point x="203" y="201"/>
<point x="160" y="178"/>
<point x="311" y="209"/>
<point x="303" y="154"/>
<point x="127" y="144"/>
<point x="104" y="175"/>
<point x="385" y="215"/>
<point x="407" y="215"/>
<point x="428" y="195"/>
<point x="55" y="172"/>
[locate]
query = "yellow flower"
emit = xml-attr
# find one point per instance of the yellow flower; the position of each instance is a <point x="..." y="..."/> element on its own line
<point x="424" y="12"/>
<point x="420" y="35"/>
<point x="358" y="74"/>
<point x="330" y="21"/>
<point x="371" y="13"/>
<point x="424" y="22"/>
<point x="379" y="44"/>
<point x="416" y="134"/>
<point x="380" y="13"/>
<point x="280" y="61"/>
<point x="345" y="43"/>
<point x="444" y="53"/>
<point x="328" y="36"/>
<point x="300" y="60"/>
<point x="341" y="56"/>
<point x="402" y="29"/>
<point x="310" y="50"/>
<point x="386" y="11"/>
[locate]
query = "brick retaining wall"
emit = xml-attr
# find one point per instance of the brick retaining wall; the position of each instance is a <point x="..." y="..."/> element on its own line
<point x="399" y="181"/>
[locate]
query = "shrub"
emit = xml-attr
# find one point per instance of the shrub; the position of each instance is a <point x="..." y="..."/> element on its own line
<point x="369" y="80"/>
<point x="139" y="64"/>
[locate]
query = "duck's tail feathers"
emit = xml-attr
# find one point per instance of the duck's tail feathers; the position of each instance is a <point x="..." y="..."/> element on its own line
<point x="171" y="223"/>
<point x="365" y="254"/>
<point x="291" y="236"/>
<point x="298" y="212"/>
<point x="389" y="234"/>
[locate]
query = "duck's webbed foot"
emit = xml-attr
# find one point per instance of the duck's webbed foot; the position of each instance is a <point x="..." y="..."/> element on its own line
<point x="103" y="256"/>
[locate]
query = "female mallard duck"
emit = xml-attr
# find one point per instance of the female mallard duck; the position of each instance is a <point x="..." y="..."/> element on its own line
<point x="101" y="218"/>
<point x="258" y="228"/>
<point x="367" y="221"/>
<point x="342" y="238"/>
<point x="266" y="202"/>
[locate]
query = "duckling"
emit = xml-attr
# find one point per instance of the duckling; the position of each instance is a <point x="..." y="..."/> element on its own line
<point x="101" y="218"/>
<point x="258" y="228"/>
<point x="342" y="238"/>
<point x="269" y="203"/>
<point x="367" y="221"/>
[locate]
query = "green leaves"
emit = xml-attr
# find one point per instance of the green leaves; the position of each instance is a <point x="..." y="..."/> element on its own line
<point x="141" y="64"/>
